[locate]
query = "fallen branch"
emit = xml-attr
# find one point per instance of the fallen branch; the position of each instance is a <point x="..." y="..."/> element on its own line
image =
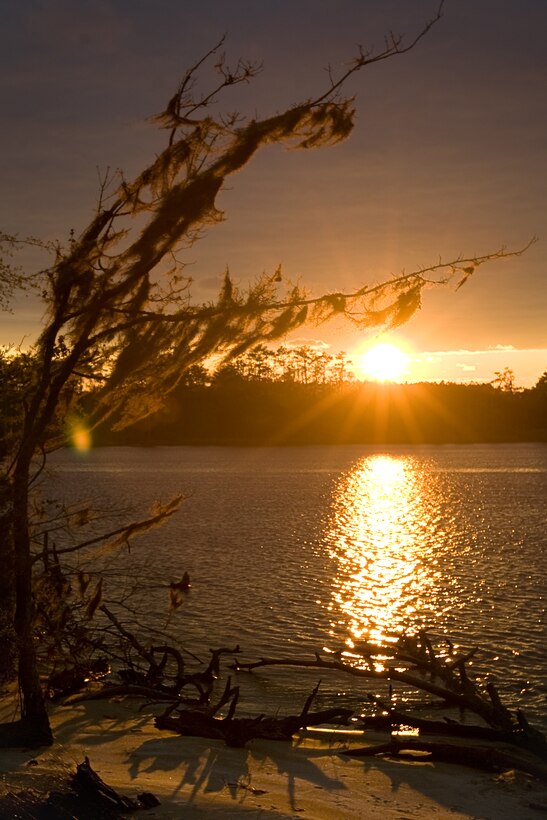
<point x="239" y="731"/>
<point x="417" y="663"/>
<point x="454" y="698"/>
<point x="394" y="719"/>
<point x="430" y="727"/>
<point x="89" y="785"/>
<point x="491" y="758"/>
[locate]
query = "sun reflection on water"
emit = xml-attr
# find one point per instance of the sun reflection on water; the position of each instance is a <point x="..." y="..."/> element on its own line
<point x="378" y="537"/>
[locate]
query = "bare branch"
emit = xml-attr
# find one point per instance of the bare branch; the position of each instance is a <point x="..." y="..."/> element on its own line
<point x="393" y="46"/>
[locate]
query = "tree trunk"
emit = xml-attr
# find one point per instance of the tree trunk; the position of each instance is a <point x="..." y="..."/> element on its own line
<point x="7" y="588"/>
<point x="34" y="717"/>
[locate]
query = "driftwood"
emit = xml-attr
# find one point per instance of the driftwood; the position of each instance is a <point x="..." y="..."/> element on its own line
<point x="239" y="731"/>
<point x="395" y="719"/>
<point x="72" y="679"/>
<point x="415" y="663"/>
<point x="155" y="679"/>
<point x="84" y="796"/>
<point x="392" y="719"/>
<point x="477" y="756"/>
<point x="92" y="788"/>
<point x="443" y="674"/>
<point x="89" y="785"/>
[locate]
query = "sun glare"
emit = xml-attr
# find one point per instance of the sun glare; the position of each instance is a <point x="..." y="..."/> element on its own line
<point x="384" y="362"/>
<point x="81" y="438"/>
<point x="384" y="579"/>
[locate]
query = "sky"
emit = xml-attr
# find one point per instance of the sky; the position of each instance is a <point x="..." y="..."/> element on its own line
<point x="448" y="156"/>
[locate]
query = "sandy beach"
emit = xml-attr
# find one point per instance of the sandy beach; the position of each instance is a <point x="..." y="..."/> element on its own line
<point x="199" y="778"/>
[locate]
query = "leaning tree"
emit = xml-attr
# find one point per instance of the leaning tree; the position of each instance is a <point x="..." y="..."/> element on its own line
<point x="119" y="313"/>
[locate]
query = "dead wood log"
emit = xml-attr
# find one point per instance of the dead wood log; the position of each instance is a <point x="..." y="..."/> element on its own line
<point x="88" y="783"/>
<point x="525" y="736"/>
<point x="450" y="728"/>
<point x="156" y="676"/>
<point x="147" y="685"/>
<point x="119" y="690"/>
<point x="92" y="789"/>
<point x="416" y="663"/>
<point x="469" y="701"/>
<point x="490" y="758"/>
<point x="237" y="732"/>
<point x="391" y="720"/>
<point x="203" y="681"/>
<point x="72" y="679"/>
<point x="132" y="639"/>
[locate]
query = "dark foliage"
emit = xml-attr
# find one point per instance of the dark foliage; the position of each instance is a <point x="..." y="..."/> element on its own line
<point x="238" y="411"/>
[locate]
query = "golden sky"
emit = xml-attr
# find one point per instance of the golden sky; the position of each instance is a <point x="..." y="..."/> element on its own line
<point x="448" y="155"/>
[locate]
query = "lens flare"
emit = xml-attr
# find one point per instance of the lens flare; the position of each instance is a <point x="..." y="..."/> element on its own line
<point x="81" y="438"/>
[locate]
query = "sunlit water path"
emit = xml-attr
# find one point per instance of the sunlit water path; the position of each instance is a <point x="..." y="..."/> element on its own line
<point x="294" y="549"/>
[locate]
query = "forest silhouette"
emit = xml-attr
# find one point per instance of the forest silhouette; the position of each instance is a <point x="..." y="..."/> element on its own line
<point x="298" y="397"/>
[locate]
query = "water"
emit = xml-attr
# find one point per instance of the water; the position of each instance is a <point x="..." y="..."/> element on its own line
<point x="291" y="550"/>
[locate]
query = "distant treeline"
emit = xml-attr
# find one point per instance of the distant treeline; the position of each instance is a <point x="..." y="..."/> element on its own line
<point x="243" y="404"/>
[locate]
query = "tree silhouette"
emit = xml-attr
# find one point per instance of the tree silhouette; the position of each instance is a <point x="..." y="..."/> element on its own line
<point x="119" y="313"/>
<point x="541" y="384"/>
<point x="505" y="380"/>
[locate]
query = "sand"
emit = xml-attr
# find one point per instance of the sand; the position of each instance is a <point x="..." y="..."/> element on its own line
<point x="199" y="778"/>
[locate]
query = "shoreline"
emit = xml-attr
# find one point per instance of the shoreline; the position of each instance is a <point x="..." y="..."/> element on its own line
<point x="270" y="780"/>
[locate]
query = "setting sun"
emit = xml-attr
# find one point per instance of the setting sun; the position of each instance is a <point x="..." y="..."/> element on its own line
<point x="383" y="362"/>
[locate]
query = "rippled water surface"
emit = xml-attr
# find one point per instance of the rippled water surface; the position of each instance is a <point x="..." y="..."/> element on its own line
<point x="293" y="549"/>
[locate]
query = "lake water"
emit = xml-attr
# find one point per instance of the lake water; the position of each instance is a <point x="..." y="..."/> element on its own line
<point x="293" y="549"/>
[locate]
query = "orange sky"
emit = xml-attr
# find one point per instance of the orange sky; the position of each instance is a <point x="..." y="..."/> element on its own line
<point x="448" y="155"/>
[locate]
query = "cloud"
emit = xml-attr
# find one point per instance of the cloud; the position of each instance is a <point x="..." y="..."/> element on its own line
<point x="426" y="357"/>
<point x="302" y="341"/>
<point x="481" y="365"/>
<point x="493" y="351"/>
